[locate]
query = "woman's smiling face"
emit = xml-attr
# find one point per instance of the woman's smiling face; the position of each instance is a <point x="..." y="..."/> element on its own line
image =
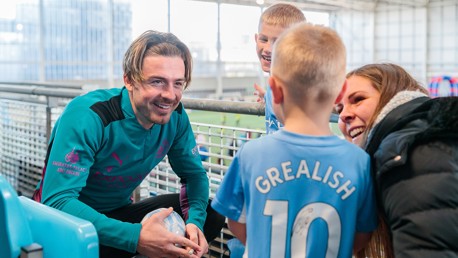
<point x="357" y="107"/>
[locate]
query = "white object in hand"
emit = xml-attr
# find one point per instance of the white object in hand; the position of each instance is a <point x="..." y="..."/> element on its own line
<point x="174" y="223"/>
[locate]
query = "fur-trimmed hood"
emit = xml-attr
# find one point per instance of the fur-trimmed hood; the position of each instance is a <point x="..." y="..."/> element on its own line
<point x="441" y="115"/>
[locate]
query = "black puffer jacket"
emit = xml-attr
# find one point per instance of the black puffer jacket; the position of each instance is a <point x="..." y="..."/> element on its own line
<point x="415" y="167"/>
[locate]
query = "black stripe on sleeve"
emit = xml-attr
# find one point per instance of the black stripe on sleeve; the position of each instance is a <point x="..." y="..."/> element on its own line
<point x="109" y="111"/>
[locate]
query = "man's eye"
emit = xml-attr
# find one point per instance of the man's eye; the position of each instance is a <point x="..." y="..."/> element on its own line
<point x="155" y="82"/>
<point x="179" y="85"/>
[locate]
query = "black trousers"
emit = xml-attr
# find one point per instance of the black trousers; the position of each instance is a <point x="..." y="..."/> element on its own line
<point x="135" y="212"/>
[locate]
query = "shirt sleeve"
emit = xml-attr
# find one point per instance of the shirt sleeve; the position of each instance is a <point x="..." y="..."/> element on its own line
<point x="186" y="163"/>
<point x="230" y="198"/>
<point x="74" y="142"/>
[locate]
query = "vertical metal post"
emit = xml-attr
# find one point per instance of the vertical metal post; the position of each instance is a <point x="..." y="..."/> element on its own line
<point x="425" y="44"/>
<point x="41" y="43"/>
<point x="48" y="119"/>
<point x="219" y="83"/>
<point x="261" y="73"/>
<point x="110" y="39"/>
<point x="136" y="195"/>
<point x="168" y="16"/>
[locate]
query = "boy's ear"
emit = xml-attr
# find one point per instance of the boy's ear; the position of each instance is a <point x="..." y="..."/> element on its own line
<point x="277" y="90"/>
<point x="341" y="93"/>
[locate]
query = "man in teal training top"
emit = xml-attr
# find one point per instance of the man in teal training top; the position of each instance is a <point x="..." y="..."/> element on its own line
<point x="107" y="141"/>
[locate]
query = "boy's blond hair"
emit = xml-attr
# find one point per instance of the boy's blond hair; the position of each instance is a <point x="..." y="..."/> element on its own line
<point x="310" y="60"/>
<point x="282" y="14"/>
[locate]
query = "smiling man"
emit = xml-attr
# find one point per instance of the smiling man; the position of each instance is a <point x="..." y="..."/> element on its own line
<point x="107" y="141"/>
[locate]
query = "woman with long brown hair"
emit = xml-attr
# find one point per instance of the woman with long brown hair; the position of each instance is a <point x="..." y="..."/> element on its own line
<point x="413" y="142"/>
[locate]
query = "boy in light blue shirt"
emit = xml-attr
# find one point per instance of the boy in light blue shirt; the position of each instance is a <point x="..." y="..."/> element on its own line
<point x="312" y="194"/>
<point x="273" y="21"/>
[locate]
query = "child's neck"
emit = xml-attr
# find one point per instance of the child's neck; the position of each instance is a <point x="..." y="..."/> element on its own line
<point x="300" y="123"/>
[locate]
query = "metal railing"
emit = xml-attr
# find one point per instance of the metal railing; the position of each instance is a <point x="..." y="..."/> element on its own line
<point x="28" y="112"/>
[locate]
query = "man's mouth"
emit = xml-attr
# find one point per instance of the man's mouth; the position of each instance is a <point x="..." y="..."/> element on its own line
<point x="163" y="106"/>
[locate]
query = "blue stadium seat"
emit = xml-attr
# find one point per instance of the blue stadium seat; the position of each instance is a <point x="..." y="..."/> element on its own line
<point x="24" y="222"/>
<point x="14" y="227"/>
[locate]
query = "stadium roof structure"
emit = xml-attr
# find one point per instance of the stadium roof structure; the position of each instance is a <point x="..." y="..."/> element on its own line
<point x="332" y="5"/>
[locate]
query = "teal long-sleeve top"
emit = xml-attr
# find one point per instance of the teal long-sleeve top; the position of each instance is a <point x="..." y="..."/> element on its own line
<point x="98" y="154"/>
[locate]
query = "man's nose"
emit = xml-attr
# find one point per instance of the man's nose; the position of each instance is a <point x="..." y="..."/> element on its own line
<point x="168" y="92"/>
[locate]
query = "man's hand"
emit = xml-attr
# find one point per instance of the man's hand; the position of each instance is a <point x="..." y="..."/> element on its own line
<point x="156" y="241"/>
<point x="260" y="92"/>
<point x="196" y="236"/>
